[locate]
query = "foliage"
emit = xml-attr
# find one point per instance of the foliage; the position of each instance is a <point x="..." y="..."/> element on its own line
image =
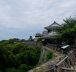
<point x="16" y="56"/>
<point x="49" y="55"/>
<point x="11" y="70"/>
<point x="69" y="25"/>
<point x="68" y="31"/>
<point x="24" y="67"/>
<point x="40" y="39"/>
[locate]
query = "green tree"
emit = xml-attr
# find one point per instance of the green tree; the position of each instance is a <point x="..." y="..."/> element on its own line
<point x="68" y="32"/>
<point x="24" y="67"/>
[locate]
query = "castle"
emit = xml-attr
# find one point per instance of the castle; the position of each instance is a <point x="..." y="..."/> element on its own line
<point x="50" y="33"/>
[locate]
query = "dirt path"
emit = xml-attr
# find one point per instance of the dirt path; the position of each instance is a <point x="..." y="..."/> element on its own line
<point x="44" y="67"/>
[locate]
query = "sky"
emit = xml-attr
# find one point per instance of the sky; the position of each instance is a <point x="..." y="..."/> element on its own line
<point x="23" y="18"/>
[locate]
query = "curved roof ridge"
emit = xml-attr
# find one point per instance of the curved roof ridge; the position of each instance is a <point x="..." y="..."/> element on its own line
<point x="54" y="24"/>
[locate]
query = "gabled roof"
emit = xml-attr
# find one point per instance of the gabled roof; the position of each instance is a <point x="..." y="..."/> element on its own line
<point x="53" y="25"/>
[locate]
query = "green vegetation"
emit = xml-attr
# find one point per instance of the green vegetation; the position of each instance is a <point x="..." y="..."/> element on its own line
<point x="17" y="57"/>
<point x="49" y="55"/>
<point x="39" y="39"/>
<point x="68" y="32"/>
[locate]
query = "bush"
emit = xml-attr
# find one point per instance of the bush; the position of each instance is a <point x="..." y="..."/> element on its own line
<point x="49" y="55"/>
<point x="16" y="55"/>
<point x="11" y="70"/>
<point x="24" y="67"/>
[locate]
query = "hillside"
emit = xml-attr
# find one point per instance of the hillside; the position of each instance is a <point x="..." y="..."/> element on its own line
<point x="16" y="56"/>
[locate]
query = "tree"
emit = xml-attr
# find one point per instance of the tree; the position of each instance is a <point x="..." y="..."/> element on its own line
<point x="68" y="31"/>
<point x="24" y="67"/>
<point x="16" y="55"/>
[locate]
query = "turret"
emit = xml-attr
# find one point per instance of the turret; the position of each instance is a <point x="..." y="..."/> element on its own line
<point x="53" y="27"/>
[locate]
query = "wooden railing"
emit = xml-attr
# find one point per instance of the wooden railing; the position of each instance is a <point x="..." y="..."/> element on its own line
<point x="67" y="64"/>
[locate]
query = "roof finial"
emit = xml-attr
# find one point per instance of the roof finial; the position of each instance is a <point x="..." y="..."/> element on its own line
<point x="54" y="21"/>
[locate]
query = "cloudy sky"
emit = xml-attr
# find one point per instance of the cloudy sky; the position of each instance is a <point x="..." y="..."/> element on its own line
<point x="22" y="18"/>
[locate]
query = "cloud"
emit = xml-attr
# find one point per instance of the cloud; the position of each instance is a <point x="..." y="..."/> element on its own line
<point x="22" y="16"/>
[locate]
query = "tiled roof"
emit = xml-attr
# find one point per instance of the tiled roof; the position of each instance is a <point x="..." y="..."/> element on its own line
<point x="53" y="25"/>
